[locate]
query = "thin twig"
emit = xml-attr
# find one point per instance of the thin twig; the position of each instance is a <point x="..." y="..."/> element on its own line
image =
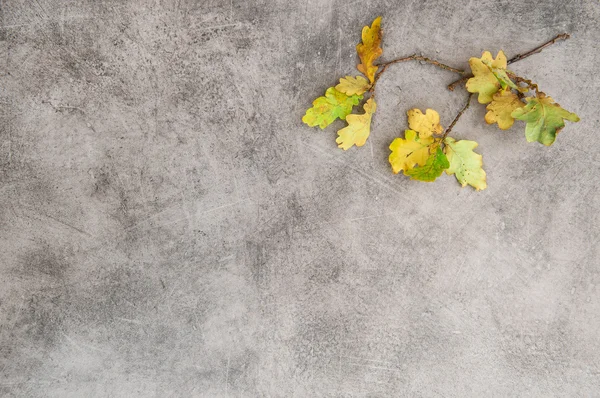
<point x="516" y="58"/>
<point x="455" y="83"/>
<point x="449" y="129"/>
<point x="414" y="57"/>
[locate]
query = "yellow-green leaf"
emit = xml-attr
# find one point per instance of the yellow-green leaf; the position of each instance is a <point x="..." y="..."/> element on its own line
<point x="544" y="118"/>
<point x="436" y="163"/>
<point x="465" y="164"/>
<point x="500" y="109"/>
<point x="484" y="81"/>
<point x="353" y="85"/>
<point x="502" y="76"/>
<point x="333" y="105"/>
<point x="359" y="127"/>
<point x="409" y="151"/>
<point x="425" y="124"/>
<point x="369" y="50"/>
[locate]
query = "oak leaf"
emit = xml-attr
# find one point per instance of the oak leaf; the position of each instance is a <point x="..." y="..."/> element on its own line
<point x="484" y="80"/>
<point x="359" y="127"/>
<point x="499" y="110"/>
<point x="333" y="105"/>
<point x="435" y="165"/>
<point x="544" y="118"/>
<point x="369" y="50"/>
<point x="425" y="124"/>
<point x="502" y="76"/>
<point x="465" y="164"/>
<point x="409" y="151"/>
<point x="353" y="85"/>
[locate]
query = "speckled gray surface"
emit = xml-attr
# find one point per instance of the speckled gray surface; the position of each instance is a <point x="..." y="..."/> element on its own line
<point x="169" y="228"/>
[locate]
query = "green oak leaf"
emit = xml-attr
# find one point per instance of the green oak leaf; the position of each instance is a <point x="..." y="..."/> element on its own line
<point x="502" y="76"/>
<point x="333" y="105"/>
<point x="544" y="118"/>
<point x="432" y="169"/>
<point x="464" y="163"/>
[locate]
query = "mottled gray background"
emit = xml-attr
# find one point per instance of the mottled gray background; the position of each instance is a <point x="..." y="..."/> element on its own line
<point x="170" y="228"/>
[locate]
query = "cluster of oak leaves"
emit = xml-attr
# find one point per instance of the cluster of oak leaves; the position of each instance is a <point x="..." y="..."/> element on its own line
<point x="423" y="154"/>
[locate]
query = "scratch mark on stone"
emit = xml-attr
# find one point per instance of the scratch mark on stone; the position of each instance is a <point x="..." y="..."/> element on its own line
<point x="374" y="367"/>
<point x="227" y="25"/>
<point x="227" y="373"/>
<point x="64" y="223"/>
<point x="339" y="52"/>
<point x="129" y="320"/>
<point x="367" y="359"/>
<point x="180" y="209"/>
<point x="81" y="346"/>
<point x="384" y="183"/>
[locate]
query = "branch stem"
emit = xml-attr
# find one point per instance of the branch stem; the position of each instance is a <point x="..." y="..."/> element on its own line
<point x="460" y="113"/>
<point x="516" y="58"/>
<point x="413" y="57"/>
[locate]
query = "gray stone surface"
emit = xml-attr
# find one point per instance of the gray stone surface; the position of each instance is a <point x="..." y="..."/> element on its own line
<point x="169" y="228"/>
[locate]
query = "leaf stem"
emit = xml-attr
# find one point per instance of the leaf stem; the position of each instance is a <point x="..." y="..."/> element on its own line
<point x="464" y="108"/>
<point x="529" y="83"/>
<point x="518" y="57"/>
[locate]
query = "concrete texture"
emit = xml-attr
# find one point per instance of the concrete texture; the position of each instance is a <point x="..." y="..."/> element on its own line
<point x="169" y="228"/>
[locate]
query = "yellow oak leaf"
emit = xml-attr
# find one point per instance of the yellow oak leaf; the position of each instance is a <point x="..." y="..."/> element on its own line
<point x="544" y="118"/>
<point x="499" y="110"/>
<point x="409" y="151"/>
<point x="359" y="127"/>
<point x="425" y="124"/>
<point x="464" y="163"/>
<point x="369" y="50"/>
<point x="484" y="80"/>
<point x="353" y="85"/>
<point x="330" y="107"/>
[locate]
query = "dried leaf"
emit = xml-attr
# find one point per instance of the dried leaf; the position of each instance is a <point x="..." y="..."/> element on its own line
<point x="425" y="124"/>
<point x="353" y="85"/>
<point x="500" y="109"/>
<point x="369" y="50"/>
